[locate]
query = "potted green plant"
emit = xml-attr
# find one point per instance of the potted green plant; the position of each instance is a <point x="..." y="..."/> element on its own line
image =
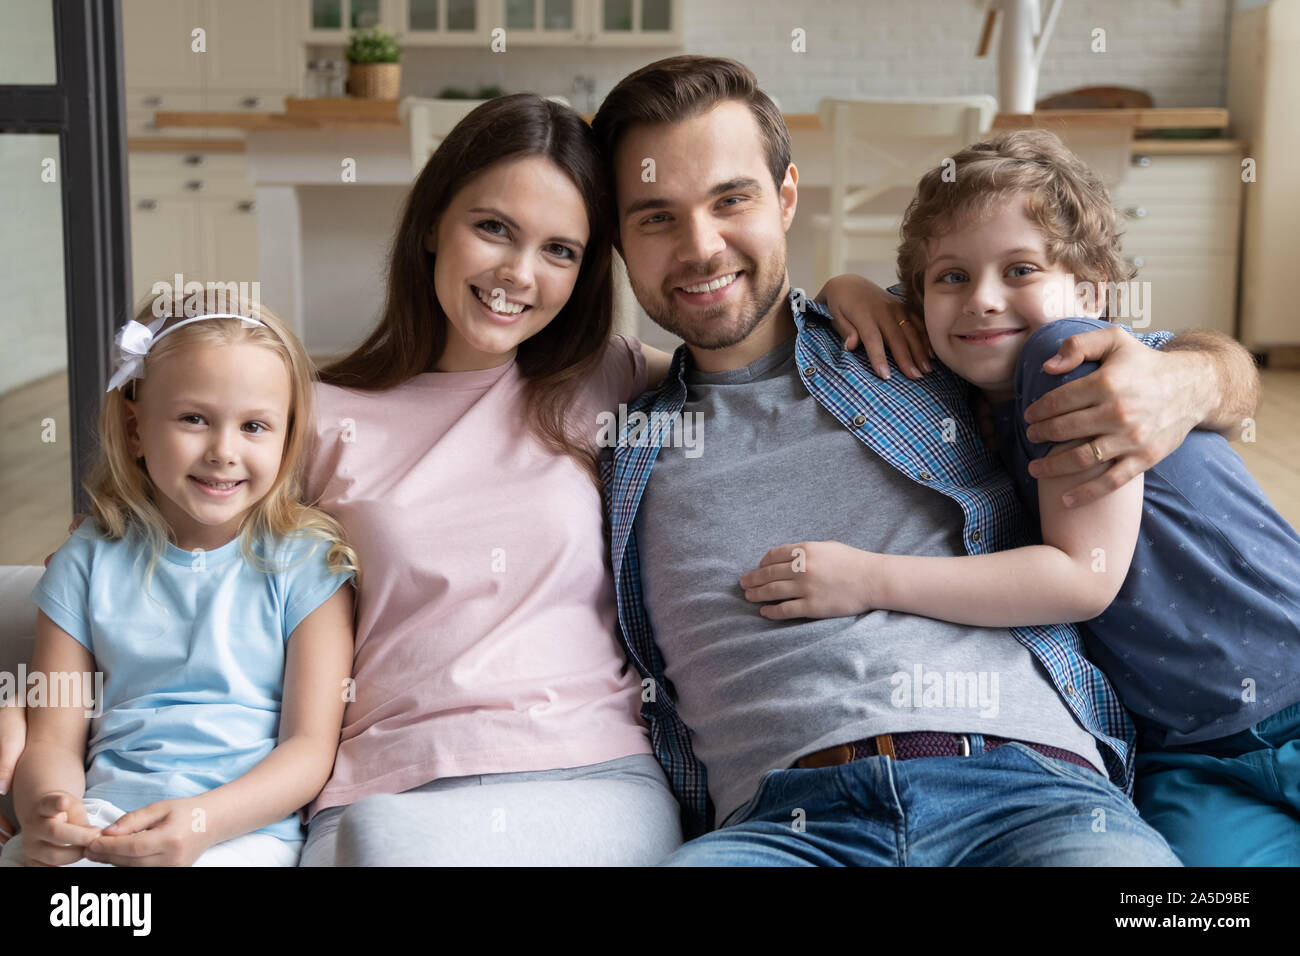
<point x="374" y="64"/>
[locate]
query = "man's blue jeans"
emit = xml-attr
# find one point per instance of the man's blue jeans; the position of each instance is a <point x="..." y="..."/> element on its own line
<point x="1008" y="807"/>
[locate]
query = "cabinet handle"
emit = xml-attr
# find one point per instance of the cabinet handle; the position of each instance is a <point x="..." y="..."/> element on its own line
<point x="245" y="205"/>
<point x="1142" y="161"/>
<point x="152" y="101"/>
<point x="147" y="205"/>
<point x="251" y="101"/>
<point x="1136" y="212"/>
<point x="193" y="159"/>
<point x="194" y="185"/>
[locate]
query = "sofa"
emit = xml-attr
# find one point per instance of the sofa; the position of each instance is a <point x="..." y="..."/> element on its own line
<point x="17" y="632"/>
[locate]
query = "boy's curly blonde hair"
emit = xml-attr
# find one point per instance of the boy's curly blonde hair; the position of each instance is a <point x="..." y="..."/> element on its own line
<point x="1063" y="197"/>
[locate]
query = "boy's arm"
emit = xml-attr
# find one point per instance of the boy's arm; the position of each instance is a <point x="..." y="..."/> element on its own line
<point x="1140" y="404"/>
<point x="318" y="663"/>
<point x="1073" y="576"/>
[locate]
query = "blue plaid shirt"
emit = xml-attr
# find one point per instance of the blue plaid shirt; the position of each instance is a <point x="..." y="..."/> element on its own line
<point x="927" y="431"/>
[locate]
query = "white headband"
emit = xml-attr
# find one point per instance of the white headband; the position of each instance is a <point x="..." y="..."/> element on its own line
<point x="135" y="340"/>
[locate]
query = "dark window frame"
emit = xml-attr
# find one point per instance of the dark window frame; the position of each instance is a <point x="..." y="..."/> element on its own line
<point x="86" y="108"/>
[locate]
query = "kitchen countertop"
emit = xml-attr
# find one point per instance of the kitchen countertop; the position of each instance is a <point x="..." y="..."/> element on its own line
<point x="349" y="113"/>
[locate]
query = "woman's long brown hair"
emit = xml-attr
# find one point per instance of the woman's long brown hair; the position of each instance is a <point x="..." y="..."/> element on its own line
<point x="412" y="334"/>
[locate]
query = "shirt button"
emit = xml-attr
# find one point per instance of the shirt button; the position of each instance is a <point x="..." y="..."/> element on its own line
<point x="974" y="535"/>
<point x="924" y="476"/>
<point x="1069" y="690"/>
<point x="810" y="370"/>
<point x="859" y="420"/>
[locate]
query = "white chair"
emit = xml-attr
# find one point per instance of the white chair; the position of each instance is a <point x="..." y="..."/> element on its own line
<point x="429" y="121"/>
<point x="879" y="145"/>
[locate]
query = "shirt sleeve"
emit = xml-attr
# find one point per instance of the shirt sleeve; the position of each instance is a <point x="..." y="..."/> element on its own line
<point x="1032" y="383"/>
<point x="306" y="580"/>
<point x="62" y="592"/>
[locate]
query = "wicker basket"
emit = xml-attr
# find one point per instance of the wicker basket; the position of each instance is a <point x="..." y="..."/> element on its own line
<point x="374" y="81"/>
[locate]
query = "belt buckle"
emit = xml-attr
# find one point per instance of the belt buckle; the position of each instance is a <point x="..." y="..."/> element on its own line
<point x="963" y="745"/>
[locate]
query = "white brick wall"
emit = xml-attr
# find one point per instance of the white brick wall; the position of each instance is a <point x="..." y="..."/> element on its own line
<point x="1173" y="49"/>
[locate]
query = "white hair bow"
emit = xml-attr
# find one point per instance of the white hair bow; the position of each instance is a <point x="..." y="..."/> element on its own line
<point x="136" y="339"/>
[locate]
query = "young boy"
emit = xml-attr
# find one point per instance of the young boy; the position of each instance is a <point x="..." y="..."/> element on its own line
<point x="1187" y="577"/>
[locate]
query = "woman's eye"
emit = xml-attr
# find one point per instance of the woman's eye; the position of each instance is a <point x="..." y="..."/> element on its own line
<point x="563" y="252"/>
<point x="1020" y="271"/>
<point x="490" y="226"/>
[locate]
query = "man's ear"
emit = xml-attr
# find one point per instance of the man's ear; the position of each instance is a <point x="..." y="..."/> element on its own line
<point x="132" y="428"/>
<point x="789" y="196"/>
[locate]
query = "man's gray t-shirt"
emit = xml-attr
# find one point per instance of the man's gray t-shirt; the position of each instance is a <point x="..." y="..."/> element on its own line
<point x="772" y="467"/>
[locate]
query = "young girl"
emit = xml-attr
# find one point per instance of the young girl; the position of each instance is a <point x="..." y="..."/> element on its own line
<point x="1189" y="580"/>
<point x="206" y="602"/>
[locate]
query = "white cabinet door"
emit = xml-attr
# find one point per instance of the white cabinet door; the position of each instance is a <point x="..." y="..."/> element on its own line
<point x="163" y="241"/>
<point x="157" y="39"/>
<point x="253" y="44"/>
<point x="228" y="238"/>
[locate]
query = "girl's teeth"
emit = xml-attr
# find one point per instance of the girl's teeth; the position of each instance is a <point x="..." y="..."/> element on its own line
<point x="222" y="486"/>
<point x="713" y="286"/>
<point x="506" y="308"/>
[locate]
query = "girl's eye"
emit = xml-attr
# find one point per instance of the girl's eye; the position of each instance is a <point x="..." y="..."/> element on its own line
<point x="562" y="251"/>
<point x="953" y="274"/>
<point x="489" y="226"/>
<point x="1015" y="271"/>
<point x="260" y="427"/>
<point x="186" y="418"/>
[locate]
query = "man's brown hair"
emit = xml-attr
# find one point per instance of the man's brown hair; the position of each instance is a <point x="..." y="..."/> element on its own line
<point x="1063" y="197"/>
<point x="671" y="90"/>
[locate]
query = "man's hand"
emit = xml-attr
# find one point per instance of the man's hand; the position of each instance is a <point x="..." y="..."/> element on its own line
<point x="160" y="834"/>
<point x="1137" y="408"/>
<point x="59" y="832"/>
<point x="863" y="312"/>
<point x="812" y="579"/>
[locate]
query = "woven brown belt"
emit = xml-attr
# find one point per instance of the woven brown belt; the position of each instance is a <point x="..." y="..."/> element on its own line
<point x="924" y="743"/>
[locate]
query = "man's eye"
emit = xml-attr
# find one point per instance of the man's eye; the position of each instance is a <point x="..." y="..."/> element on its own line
<point x="490" y="226"/>
<point x="652" y="220"/>
<point x="729" y="199"/>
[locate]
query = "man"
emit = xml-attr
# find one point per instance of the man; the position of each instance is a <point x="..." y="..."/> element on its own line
<point x="822" y="739"/>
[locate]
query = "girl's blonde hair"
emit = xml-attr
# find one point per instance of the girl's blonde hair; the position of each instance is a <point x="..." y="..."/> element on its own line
<point x="123" y="496"/>
<point x="1063" y="197"/>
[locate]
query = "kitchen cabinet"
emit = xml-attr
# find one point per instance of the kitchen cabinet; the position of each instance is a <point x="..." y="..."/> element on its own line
<point x="191" y="213"/>
<point x="252" y="57"/>
<point x="1180" y="214"/>
<point x="625" y="23"/>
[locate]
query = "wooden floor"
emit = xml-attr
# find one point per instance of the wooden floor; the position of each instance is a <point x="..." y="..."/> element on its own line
<point x="36" y="482"/>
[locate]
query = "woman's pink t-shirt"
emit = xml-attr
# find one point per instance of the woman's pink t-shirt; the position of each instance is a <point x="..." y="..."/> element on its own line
<point x="486" y="620"/>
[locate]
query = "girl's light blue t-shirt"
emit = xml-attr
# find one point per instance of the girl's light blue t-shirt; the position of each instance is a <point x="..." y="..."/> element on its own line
<point x="193" y="671"/>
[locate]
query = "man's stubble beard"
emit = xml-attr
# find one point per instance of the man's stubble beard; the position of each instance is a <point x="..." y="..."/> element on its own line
<point x="706" y="332"/>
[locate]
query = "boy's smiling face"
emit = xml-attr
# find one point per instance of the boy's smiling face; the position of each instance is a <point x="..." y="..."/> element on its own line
<point x="989" y="284"/>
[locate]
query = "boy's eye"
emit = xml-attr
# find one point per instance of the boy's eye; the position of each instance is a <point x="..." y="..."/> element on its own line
<point x="186" y="418"/>
<point x="950" y="277"/>
<point x="490" y="226"/>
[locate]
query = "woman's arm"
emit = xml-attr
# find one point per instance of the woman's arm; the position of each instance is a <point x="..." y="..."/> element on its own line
<point x="317" y="667"/>
<point x="50" y="778"/>
<point x="1073" y="576"/>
